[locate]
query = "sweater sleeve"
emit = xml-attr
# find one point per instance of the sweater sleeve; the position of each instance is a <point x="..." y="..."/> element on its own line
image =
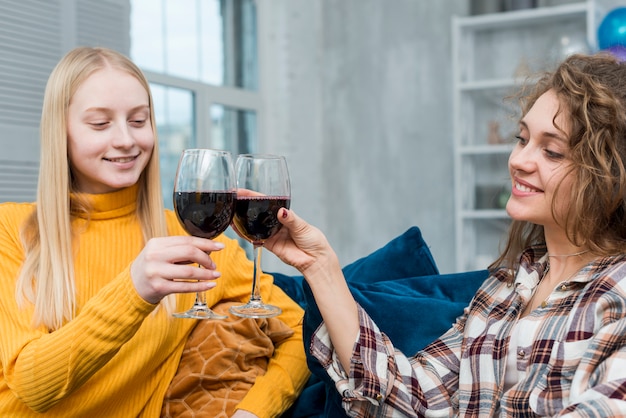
<point x="287" y="371"/>
<point x="42" y="367"/>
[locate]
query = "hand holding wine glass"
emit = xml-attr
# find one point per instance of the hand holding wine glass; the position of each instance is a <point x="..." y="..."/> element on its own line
<point x="265" y="185"/>
<point x="204" y="198"/>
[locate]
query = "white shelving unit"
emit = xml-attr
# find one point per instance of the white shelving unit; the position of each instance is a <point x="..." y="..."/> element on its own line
<point x="492" y="55"/>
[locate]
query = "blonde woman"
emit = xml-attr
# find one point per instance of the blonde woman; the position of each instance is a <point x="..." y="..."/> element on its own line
<point x="87" y="276"/>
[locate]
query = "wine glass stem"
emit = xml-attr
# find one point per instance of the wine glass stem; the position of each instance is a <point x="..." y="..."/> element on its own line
<point x="200" y="299"/>
<point x="256" y="291"/>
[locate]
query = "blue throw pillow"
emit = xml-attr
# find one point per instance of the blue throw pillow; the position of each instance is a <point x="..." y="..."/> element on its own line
<point x="414" y="311"/>
<point x="404" y="256"/>
<point x="407" y="255"/>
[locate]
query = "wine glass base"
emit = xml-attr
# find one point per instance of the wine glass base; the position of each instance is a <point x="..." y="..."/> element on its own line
<point x="255" y="310"/>
<point x="199" y="313"/>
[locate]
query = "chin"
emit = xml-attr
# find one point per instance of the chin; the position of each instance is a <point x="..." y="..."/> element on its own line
<point x="516" y="215"/>
<point x="123" y="184"/>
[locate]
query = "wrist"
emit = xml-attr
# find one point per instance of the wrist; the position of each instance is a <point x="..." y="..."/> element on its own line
<point x="327" y="260"/>
<point x="324" y="272"/>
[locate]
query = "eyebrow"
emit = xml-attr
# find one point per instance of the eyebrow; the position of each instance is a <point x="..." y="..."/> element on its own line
<point x="557" y="136"/>
<point x="106" y="109"/>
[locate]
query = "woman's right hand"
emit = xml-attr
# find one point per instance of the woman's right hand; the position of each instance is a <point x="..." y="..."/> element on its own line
<point x="301" y="245"/>
<point x="170" y="265"/>
<point x="305" y="247"/>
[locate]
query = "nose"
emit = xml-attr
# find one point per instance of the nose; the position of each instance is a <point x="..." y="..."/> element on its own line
<point x="122" y="136"/>
<point x="522" y="158"/>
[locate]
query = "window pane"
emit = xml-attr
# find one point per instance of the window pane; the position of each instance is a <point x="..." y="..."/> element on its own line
<point x="211" y="49"/>
<point x="234" y="130"/>
<point x="146" y="47"/>
<point x="241" y="63"/>
<point x="174" y="113"/>
<point x="212" y="41"/>
<point x="182" y="39"/>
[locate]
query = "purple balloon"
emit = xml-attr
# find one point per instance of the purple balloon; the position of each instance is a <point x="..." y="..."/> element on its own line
<point x="618" y="51"/>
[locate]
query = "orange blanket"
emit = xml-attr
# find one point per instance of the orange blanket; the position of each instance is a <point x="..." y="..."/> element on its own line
<point x="219" y="364"/>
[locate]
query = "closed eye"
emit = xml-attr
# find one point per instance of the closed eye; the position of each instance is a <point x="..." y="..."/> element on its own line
<point x="554" y="155"/>
<point x="521" y="140"/>
<point x="138" y="123"/>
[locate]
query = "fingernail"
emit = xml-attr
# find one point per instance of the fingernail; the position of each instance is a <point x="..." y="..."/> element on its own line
<point x="219" y="245"/>
<point x="285" y="214"/>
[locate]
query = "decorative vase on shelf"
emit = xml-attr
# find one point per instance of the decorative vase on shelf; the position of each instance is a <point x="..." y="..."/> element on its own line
<point x="493" y="136"/>
<point x="568" y="44"/>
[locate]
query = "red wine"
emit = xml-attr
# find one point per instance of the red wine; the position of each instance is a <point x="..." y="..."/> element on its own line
<point x="205" y="214"/>
<point x="255" y="216"/>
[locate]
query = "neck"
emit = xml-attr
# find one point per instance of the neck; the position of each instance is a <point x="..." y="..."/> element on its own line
<point x="568" y="255"/>
<point x="562" y="267"/>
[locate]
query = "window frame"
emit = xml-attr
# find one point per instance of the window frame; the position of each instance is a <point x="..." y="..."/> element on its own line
<point x="205" y="96"/>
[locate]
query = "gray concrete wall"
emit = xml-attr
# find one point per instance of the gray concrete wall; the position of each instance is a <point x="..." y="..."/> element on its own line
<point x="358" y="97"/>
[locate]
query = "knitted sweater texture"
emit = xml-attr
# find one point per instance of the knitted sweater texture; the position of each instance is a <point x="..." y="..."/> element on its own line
<point x="118" y="355"/>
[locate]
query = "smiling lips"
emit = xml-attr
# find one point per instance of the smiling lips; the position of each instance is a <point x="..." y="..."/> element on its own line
<point x="524" y="188"/>
<point x="121" y="159"/>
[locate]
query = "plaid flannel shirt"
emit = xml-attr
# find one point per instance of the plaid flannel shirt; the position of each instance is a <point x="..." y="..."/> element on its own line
<point x="573" y="364"/>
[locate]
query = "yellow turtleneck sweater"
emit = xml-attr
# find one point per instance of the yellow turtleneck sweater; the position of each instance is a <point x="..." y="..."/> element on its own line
<point x="117" y="357"/>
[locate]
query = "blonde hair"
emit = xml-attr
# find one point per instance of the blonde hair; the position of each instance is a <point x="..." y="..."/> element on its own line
<point x="47" y="276"/>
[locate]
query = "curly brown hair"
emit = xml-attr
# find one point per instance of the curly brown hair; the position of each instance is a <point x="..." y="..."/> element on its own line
<point x="592" y="95"/>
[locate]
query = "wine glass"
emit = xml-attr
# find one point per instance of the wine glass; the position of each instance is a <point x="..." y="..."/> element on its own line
<point x="204" y="201"/>
<point x="262" y="189"/>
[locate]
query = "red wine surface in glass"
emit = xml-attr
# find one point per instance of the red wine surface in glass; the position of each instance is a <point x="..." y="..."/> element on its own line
<point x="205" y="214"/>
<point x="256" y="216"/>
